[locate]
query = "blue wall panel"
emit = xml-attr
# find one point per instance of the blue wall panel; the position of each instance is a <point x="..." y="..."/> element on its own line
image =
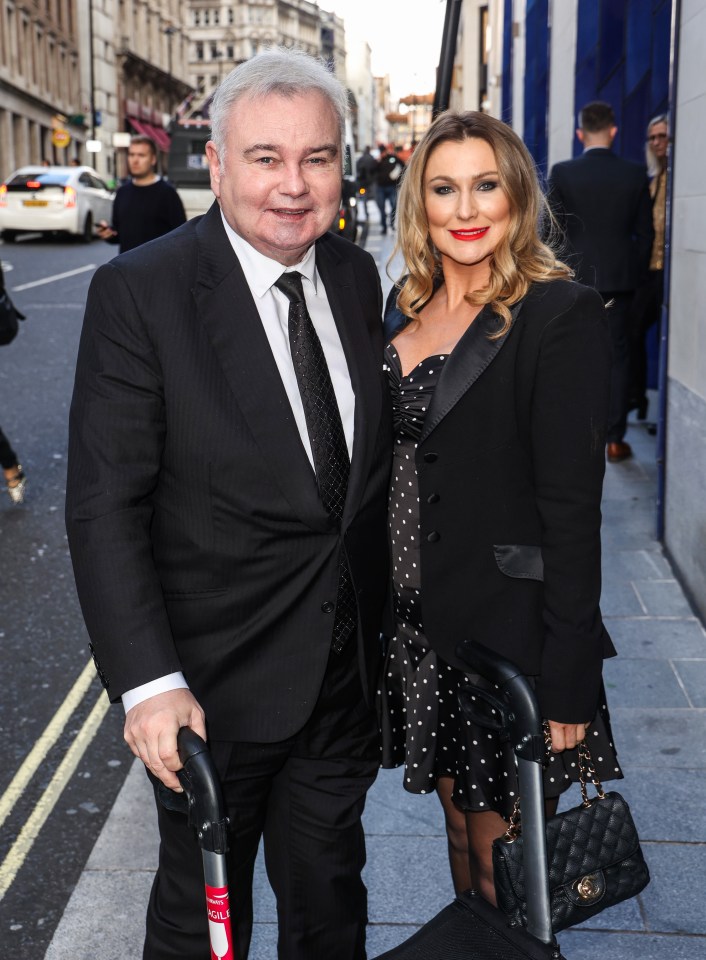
<point x="622" y="56"/>
<point x="507" y="64"/>
<point x="536" y="80"/>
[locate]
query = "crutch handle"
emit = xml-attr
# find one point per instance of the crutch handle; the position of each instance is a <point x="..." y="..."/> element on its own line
<point x="199" y="779"/>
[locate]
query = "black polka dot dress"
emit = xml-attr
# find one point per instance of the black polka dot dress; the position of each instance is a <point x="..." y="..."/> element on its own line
<point x="422" y="725"/>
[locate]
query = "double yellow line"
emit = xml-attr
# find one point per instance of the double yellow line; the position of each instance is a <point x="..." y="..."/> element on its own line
<point x="17" y="854"/>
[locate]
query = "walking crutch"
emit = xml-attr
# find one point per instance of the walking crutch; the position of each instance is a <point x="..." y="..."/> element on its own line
<point x="470" y="928"/>
<point x="207" y="815"/>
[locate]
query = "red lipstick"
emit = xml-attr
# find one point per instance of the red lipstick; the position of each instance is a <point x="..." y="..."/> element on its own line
<point x="467" y="235"/>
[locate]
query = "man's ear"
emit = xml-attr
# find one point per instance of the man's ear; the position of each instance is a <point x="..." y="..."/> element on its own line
<point x="579" y="134"/>
<point x="613" y="132"/>
<point x="214" y="166"/>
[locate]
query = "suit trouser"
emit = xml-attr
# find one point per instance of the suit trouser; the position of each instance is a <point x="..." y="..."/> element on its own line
<point x="618" y="320"/>
<point x="305" y="797"/>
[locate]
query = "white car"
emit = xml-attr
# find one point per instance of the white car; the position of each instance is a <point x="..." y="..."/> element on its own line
<point x="47" y="199"/>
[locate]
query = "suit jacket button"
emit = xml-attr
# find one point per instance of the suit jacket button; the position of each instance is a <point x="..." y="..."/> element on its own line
<point x="431" y="457"/>
<point x="328" y="607"/>
<point x="433" y="498"/>
<point x="434" y="536"/>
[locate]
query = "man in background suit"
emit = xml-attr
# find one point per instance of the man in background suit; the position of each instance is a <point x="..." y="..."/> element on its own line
<point x="232" y="578"/>
<point x="602" y="204"/>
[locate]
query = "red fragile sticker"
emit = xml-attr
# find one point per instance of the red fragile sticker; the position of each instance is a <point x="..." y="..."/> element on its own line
<point x="219" y="923"/>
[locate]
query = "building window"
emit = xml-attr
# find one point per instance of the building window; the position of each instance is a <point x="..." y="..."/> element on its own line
<point x="216" y="17"/>
<point x="230" y="51"/>
<point x="199" y="51"/>
<point x="197" y="18"/>
<point x="214" y="51"/>
<point x="206" y="17"/>
<point x="231" y="16"/>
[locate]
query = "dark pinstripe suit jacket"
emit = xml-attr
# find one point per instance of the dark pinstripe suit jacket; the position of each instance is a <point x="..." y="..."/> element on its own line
<point x="196" y="531"/>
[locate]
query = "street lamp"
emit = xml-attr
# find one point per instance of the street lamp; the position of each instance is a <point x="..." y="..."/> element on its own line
<point x="169" y="32"/>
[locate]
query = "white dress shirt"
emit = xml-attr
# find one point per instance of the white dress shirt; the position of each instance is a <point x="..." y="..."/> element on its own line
<point x="273" y="306"/>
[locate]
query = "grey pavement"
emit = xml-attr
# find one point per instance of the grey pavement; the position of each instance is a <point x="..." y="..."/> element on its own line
<point x="657" y="694"/>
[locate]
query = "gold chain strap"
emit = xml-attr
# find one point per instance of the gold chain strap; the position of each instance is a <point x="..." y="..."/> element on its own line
<point x="587" y="774"/>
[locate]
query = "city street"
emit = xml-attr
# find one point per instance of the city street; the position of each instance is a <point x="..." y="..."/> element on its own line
<point x="62" y="758"/>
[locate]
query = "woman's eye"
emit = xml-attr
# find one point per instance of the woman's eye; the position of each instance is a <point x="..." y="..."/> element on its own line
<point x="442" y="191"/>
<point x="487" y="185"/>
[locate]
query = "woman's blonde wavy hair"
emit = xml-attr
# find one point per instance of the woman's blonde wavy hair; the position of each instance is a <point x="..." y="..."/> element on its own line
<point x="521" y="257"/>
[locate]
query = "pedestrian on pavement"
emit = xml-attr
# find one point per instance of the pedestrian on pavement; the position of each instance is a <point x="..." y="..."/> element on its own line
<point x="499" y="383"/>
<point x="647" y="303"/>
<point x="15" y="479"/>
<point x="229" y="460"/>
<point x="146" y="207"/>
<point x="366" y="172"/>
<point x="387" y="181"/>
<point x="602" y="204"/>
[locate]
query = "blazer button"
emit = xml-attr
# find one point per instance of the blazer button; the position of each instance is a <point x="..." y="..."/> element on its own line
<point x="433" y="498"/>
<point x="431" y="457"/>
<point x="434" y="536"/>
<point x="328" y="607"/>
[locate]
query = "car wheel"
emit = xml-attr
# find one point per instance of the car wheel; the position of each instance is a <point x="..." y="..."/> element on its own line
<point x="9" y="236"/>
<point x="87" y="234"/>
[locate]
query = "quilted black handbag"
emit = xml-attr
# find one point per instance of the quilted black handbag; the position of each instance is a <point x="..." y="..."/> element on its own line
<point x="593" y="854"/>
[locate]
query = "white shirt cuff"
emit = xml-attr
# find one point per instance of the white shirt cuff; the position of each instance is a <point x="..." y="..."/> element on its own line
<point x="173" y="681"/>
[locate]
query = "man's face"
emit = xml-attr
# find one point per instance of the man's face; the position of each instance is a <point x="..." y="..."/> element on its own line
<point x="140" y="160"/>
<point x="280" y="185"/>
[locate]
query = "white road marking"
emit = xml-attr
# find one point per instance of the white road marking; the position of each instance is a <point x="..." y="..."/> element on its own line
<point x="52" y="279"/>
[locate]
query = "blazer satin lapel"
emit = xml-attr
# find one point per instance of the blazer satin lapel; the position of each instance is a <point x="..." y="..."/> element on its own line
<point x="227" y="309"/>
<point x="363" y="366"/>
<point x="470" y="357"/>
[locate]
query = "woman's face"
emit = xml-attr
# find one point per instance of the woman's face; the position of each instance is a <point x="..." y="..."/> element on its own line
<point x="658" y="139"/>
<point x="467" y="209"/>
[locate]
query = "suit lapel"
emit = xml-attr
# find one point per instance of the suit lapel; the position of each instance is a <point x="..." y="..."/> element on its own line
<point x="228" y="311"/>
<point x="473" y="353"/>
<point x="363" y="365"/>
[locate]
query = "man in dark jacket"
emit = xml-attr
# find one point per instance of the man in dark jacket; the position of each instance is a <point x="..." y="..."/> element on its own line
<point x="146" y="207"/>
<point x="230" y="449"/>
<point x="389" y="172"/>
<point x="602" y="203"/>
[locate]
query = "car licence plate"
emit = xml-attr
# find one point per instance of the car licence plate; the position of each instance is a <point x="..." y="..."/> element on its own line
<point x="35" y="203"/>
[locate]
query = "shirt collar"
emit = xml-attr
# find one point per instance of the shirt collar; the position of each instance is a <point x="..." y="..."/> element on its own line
<point x="261" y="271"/>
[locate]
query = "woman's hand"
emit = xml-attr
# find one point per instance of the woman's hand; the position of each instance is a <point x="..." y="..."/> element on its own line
<point x="565" y="736"/>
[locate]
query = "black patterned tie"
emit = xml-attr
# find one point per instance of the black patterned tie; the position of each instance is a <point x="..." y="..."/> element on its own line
<point x="328" y="441"/>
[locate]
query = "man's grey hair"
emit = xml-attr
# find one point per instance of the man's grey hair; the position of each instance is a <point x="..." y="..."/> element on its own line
<point x="280" y="70"/>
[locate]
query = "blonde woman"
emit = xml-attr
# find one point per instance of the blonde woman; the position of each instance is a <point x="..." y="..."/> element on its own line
<point x="499" y="381"/>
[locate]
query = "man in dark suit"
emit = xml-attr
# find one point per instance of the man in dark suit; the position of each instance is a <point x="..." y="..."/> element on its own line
<point x="602" y="204"/>
<point x="226" y="508"/>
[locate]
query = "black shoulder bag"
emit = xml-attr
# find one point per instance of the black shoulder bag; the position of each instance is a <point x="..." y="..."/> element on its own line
<point x="593" y="854"/>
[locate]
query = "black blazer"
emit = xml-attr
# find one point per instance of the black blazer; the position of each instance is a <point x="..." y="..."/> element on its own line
<point x="603" y="205"/>
<point x="198" y="538"/>
<point x="510" y="466"/>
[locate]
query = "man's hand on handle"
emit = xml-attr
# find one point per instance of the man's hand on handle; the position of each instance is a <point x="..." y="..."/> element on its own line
<point x="151" y="729"/>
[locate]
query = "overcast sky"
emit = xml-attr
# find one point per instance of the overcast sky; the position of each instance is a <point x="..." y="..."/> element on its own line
<point x="404" y="35"/>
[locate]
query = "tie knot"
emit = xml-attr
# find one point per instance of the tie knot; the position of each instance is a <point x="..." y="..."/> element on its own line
<point x="290" y="283"/>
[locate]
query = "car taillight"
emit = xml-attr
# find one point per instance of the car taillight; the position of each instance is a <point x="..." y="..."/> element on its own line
<point x="69" y="197"/>
<point x="3" y="195"/>
<point x="341" y="223"/>
<point x="33" y="184"/>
